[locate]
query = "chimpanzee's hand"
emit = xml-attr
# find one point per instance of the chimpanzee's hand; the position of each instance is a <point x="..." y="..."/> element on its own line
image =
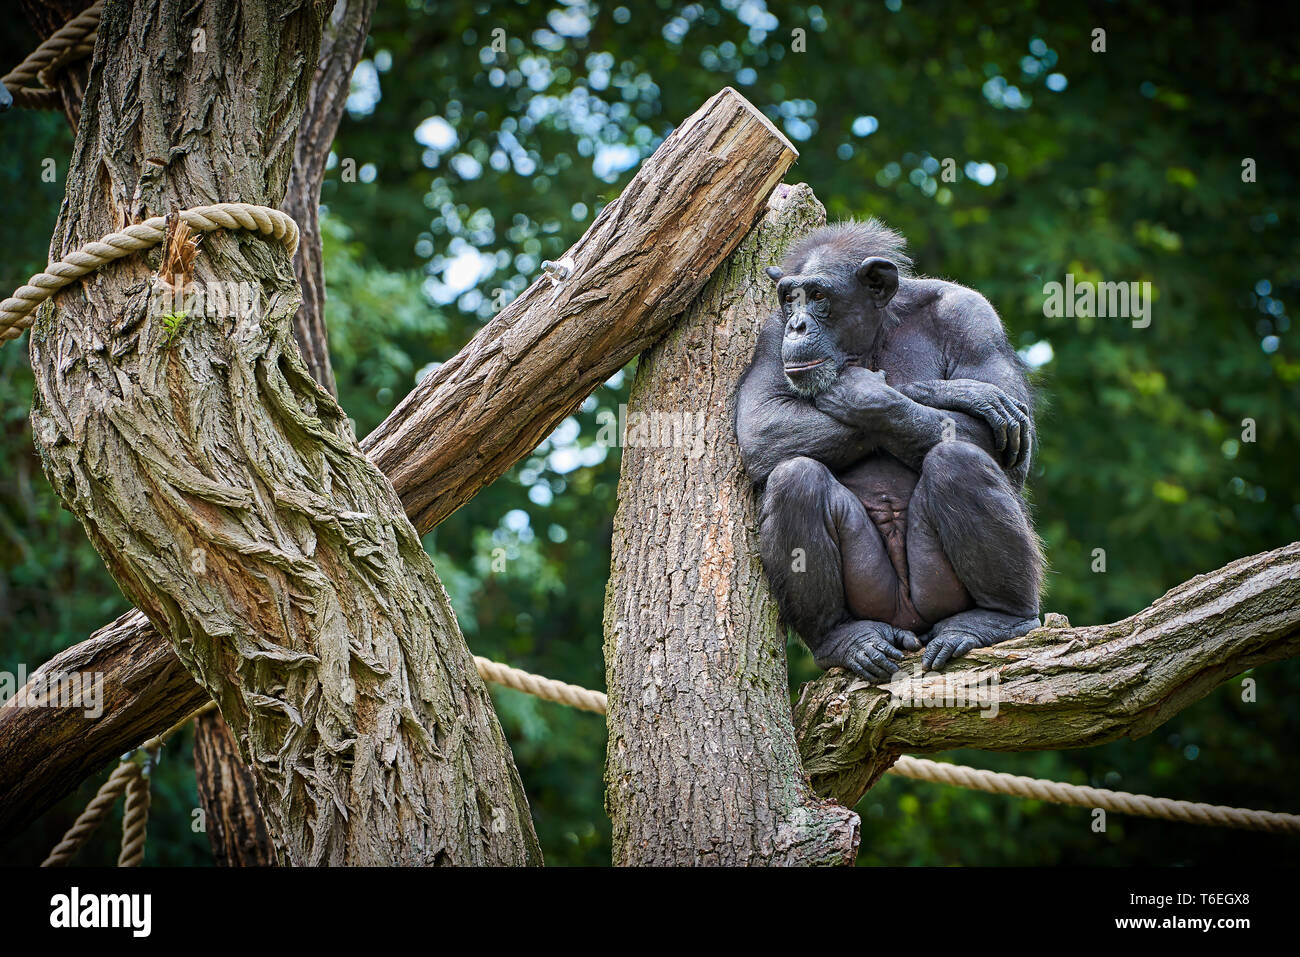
<point x="866" y="648"/>
<point x="967" y="630"/>
<point x="1007" y="417"/>
<point x="857" y="396"/>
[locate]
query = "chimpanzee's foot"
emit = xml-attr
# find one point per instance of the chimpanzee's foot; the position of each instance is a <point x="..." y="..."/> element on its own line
<point x="866" y="648"/>
<point x="977" y="628"/>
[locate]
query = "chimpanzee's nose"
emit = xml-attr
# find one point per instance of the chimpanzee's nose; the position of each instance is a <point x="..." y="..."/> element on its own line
<point x="796" y="327"/>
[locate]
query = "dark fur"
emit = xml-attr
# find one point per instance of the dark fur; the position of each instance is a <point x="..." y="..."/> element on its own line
<point x="888" y="424"/>
<point x="851" y="241"/>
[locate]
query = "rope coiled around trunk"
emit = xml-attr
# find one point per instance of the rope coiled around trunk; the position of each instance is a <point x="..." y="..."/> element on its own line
<point x="16" y="311"/>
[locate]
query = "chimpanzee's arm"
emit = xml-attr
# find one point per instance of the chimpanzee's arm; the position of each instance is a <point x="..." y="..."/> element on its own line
<point x="984" y="383"/>
<point x="905" y="429"/>
<point x="773" y="423"/>
<point x="1009" y="419"/>
<point x="977" y="351"/>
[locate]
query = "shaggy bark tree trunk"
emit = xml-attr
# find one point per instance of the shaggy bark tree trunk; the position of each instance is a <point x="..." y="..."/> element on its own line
<point x="222" y="485"/>
<point x="341" y="47"/>
<point x="643" y="260"/>
<point x="702" y="765"/>
<point x="227" y="792"/>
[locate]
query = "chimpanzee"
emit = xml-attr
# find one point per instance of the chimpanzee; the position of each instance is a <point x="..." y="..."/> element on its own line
<point x="887" y="423"/>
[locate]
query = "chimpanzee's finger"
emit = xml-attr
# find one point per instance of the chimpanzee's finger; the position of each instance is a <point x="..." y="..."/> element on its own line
<point x="1018" y="433"/>
<point x="931" y="659"/>
<point x="944" y="648"/>
<point x="967" y="644"/>
<point x="997" y="422"/>
<point x="886" y="648"/>
<point x="1026" y="439"/>
<point x="1013" y="443"/>
<point x="872" y="665"/>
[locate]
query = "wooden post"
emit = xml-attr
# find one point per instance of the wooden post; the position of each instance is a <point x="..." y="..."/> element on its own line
<point x="702" y="766"/>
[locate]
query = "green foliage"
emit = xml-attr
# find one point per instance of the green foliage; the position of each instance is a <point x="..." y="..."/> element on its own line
<point x="474" y="166"/>
<point x="173" y="324"/>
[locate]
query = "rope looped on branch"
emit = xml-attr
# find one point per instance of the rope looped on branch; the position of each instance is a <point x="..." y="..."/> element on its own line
<point x="16" y="311"/>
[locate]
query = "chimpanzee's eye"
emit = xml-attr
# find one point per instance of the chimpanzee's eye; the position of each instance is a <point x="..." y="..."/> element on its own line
<point x="789" y="297"/>
<point x="817" y="296"/>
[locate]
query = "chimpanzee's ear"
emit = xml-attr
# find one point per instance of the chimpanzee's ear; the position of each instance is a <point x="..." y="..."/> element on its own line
<point x="774" y="273"/>
<point x="880" y="276"/>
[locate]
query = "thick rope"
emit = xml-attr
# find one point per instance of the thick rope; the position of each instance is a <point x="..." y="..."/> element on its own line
<point x="135" y="821"/>
<point x="128" y="776"/>
<point x="71" y="41"/>
<point x="15" y="312"/>
<point x="93" y="815"/>
<point x="996" y="782"/>
<point x="546" y="688"/>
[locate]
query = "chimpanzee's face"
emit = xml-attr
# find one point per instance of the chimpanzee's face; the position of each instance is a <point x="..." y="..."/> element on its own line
<point x="812" y="351"/>
<point x="832" y="314"/>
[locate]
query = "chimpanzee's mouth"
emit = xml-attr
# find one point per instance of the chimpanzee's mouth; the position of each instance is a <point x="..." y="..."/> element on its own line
<point x="804" y="366"/>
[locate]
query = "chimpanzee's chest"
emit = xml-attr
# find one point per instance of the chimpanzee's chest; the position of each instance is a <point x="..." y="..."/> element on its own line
<point x="908" y="355"/>
<point x="883" y="484"/>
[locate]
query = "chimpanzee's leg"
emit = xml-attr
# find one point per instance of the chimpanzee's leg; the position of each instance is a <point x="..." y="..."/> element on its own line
<point x="811" y="530"/>
<point x="967" y="529"/>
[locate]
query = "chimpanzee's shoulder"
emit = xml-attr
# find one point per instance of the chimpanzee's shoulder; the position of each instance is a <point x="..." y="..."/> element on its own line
<point x="958" y="309"/>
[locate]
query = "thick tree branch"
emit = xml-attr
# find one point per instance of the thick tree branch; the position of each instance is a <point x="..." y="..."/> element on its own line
<point x="1058" y="687"/>
<point x="643" y="260"/>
